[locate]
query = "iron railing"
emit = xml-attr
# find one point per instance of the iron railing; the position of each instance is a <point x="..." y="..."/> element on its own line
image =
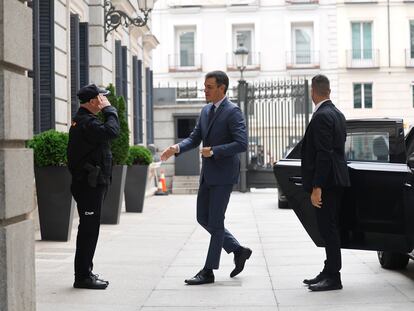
<point x="182" y="62"/>
<point x="365" y="58"/>
<point x="277" y="114"/>
<point x="302" y="59"/>
<point x="253" y="62"/>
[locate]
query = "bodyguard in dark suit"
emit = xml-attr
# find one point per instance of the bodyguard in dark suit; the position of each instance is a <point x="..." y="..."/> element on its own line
<point x="324" y="176"/>
<point x="222" y="130"/>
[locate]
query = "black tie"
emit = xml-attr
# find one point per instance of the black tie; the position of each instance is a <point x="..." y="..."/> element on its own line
<point x="211" y="113"/>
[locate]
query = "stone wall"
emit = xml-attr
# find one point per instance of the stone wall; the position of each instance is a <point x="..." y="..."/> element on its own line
<point x="17" y="269"/>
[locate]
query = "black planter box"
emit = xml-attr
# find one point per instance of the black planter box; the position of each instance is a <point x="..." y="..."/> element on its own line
<point x="55" y="202"/>
<point x="135" y="186"/>
<point x="111" y="209"/>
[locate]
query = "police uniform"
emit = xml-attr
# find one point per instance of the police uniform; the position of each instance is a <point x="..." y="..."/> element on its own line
<point x="90" y="163"/>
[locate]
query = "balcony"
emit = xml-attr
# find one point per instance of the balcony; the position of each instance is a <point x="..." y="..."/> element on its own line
<point x="409" y="58"/>
<point x="360" y="59"/>
<point x="302" y="59"/>
<point x="185" y="63"/>
<point x="293" y="2"/>
<point x="253" y="62"/>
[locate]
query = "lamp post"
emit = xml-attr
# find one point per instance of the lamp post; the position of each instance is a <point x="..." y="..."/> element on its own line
<point x="113" y="18"/>
<point x="241" y="55"/>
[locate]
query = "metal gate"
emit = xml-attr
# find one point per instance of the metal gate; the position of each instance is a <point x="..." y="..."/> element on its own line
<point x="277" y="113"/>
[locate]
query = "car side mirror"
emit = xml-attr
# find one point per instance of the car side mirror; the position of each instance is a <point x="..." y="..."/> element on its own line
<point x="410" y="161"/>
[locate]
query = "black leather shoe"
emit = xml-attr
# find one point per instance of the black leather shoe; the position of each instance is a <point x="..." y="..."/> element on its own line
<point x="315" y="280"/>
<point x="91" y="282"/>
<point x="240" y="257"/>
<point x="202" y="277"/>
<point x="326" y="284"/>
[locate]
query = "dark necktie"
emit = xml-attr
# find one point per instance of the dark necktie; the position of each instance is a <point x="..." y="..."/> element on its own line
<point x="211" y="114"/>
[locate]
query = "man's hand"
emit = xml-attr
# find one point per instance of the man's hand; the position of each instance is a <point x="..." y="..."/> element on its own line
<point x="168" y="152"/>
<point x="206" y="152"/>
<point x="103" y="102"/>
<point x="316" y="197"/>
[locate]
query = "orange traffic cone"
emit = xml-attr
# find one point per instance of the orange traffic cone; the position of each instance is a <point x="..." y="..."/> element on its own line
<point x="163" y="182"/>
<point x="162" y="186"/>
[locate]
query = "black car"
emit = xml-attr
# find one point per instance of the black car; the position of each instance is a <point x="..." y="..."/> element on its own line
<point x="378" y="208"/>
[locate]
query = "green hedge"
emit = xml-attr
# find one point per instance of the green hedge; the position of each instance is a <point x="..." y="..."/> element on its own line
<point x="139" y="155"/>
<point x="120" y="145"/>
<point x="49" y="148"/>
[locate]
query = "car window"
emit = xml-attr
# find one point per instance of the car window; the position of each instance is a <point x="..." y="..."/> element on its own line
<point x="368" y="146"/>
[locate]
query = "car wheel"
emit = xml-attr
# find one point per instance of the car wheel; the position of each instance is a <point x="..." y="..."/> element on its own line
<point x="392" y="261"/>
<point x="283" y="204"/>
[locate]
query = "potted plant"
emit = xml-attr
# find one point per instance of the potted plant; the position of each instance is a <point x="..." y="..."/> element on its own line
<point x="139" y="159"/>
<point x="55" y="202"/>
<point x="111" y="209"/>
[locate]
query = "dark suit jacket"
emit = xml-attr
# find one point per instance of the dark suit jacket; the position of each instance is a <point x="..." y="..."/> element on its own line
<point x="323" y="150"/>
<point x="227" y="136"/>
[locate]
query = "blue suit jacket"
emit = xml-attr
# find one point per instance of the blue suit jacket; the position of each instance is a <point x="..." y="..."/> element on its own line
<point x="227" y="136"/>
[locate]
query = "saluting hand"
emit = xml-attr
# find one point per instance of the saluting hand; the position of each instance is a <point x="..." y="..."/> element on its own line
<point x="316" y="197"/>
<point x="168" y="152"/>
<point x="103" y="102"/>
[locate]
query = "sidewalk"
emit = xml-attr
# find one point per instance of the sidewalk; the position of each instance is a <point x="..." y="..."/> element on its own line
<point x="147" y="257"/>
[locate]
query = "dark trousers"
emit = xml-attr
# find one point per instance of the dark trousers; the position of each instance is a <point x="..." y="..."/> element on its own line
<point x="211" y="208"/>
<point x="327" y="219"/>
<point x="89" y="201"/>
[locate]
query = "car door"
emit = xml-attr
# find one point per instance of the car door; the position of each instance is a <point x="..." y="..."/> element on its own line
<point x="375" y="207"/>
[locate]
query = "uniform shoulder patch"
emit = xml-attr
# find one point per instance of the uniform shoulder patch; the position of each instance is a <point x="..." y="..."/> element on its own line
<point x="74" y="123"/>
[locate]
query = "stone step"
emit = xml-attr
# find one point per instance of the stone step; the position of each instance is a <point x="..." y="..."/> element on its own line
<point x="184" y="191"/>
<point x="184" y="184"/>
<point x="186" y="178"/>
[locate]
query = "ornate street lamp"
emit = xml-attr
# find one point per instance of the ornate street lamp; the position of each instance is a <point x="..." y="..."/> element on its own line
<point x="241" y="56"/>
<point x="114" y="18"/>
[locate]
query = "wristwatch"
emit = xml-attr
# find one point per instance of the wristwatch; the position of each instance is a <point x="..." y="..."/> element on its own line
<point x="211" y="152"/>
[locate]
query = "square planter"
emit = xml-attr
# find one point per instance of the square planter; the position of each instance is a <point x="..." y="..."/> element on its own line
<point x="111" y="209"/>
<point x="55" y="202"/>
<point x="135" y="187"/>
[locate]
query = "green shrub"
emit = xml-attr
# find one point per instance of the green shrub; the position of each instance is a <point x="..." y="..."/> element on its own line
<point x="120" y="145"/>
<point x="49" y="148"/>
<point x="139" y="155"/>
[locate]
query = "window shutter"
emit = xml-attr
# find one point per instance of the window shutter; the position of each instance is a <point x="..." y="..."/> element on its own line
<point x="149" y="114"/>
<point x="46" y="65"/>
<point x="140" y="114"/>
<point x="137" y="89"/>
<point x="74" y="63"/>
<point x="125" y="76"/>
<point x="34" y="74"/>
<point x="84" y="54"/>
<point x="118" y="68"/>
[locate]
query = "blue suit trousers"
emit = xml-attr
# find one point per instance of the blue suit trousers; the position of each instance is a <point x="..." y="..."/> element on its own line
<point x="212" y="203"/>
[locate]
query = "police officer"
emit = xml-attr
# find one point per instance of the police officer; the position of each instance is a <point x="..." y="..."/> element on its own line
<point x="90" y="163"/>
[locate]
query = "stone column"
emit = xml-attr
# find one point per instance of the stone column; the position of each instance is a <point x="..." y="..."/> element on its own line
<point x="17" y="270"/>
<point x="100" y="57"/>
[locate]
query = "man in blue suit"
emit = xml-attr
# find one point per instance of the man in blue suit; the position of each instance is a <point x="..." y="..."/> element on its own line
<point x="222" y="130"/>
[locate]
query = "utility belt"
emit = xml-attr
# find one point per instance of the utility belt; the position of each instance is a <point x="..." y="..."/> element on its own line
<point x="94" y="175"/>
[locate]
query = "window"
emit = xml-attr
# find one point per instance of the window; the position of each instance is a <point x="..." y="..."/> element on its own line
<point x="412" y="88"/>
<point x="186" y="46"/>
<point x="362" y="95"/>
<point x="368" y="146"/>
<point x="361" y="40"/>
<point x="302" y="43"/>
<point x="243" y="36"/>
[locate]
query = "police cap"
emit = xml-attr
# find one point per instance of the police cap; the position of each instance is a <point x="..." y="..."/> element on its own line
<point x="89" y="92"/>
